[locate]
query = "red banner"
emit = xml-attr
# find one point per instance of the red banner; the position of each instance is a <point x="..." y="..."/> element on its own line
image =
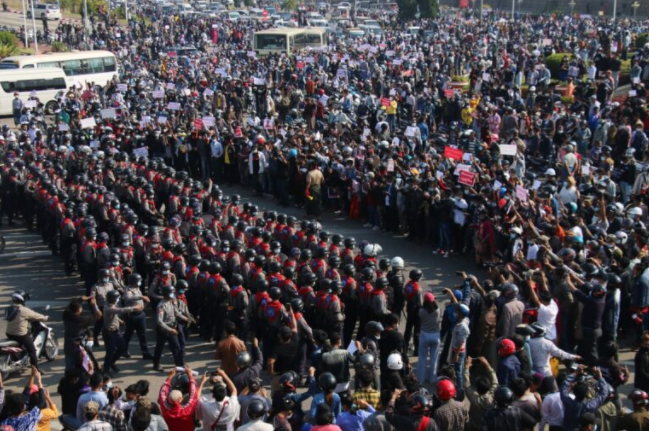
<point x="464" y="4"/>
<point x="467" y="178"/>
<point x="300" y="65"/>
<point x="385" y="101"/>
<point x="453" y="153"/>
<point x="198" y="124"/>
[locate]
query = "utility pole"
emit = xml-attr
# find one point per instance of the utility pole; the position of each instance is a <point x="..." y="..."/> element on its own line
<point x="34" y="27"/>
<point x="572" y="6"/>
<point x="635" y="7"/>
<point x="614" y="9"/>
<point x="86" y="21"/>
<point x="25" y="25"/>
<point x="513" y="7"/>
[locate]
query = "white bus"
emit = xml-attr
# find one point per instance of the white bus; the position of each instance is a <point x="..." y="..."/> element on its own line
<point x="80" y="67"/>
<point x="46" y="83"/>
<point x="288" y="40"/>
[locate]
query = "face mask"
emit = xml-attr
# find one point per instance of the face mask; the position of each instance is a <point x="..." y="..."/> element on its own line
<point x="165" y="272"/>
<point x="226" y="249"/>
<point x="139" y="283"/>
<point x="109" y="385"/>
<point x="276" y="250"/>
<point x="105" y="280"/>
<point x="512" y="235"/>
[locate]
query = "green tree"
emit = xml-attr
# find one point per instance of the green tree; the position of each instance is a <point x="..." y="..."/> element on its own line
<point x="7" y="50"/>
<point x="290" y="5"/>
<point x="7" y="38"/>
<point x="428" y="8"/>
<point x="407" y="9"/>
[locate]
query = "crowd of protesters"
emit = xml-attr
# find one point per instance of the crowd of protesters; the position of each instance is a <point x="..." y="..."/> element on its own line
<point x="540" y="178"/>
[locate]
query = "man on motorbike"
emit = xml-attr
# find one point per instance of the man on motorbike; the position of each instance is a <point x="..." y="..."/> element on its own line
<point x="18" y="318"/>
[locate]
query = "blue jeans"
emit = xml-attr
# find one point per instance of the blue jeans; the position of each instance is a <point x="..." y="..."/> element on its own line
<point x="373" y="216"/>
<point x="459" y="369"/>
<point x="428" y="349"/>
<point x="445" y="236"/>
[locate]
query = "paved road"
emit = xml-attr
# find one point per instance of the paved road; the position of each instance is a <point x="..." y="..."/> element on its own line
<point x="15" y="19"/>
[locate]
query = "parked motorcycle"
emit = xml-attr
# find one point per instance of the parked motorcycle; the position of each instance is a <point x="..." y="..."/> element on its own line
<point x="14" y="358"/>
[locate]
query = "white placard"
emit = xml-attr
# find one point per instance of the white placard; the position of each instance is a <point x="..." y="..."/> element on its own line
<point x="162" y="119"/>
<point x="208" y="92"/>
<point x="141" y="152"/>
<point x="171" y="86"/>
<point x="461" y="167"/>
<point x="269" y="124"/>
<point x="64" y="127"/>
<point x="633" y="93"/>
<point x="486" y="77"/>
<point x="122" y="87"/>
<point x="521" y="193"/>
<point x="31" y="104"/>
<point x="585" y="170"/>
<point x="93" y="144"/>
<point x="88" y="123"/>
<point x="497" y="185"/>
<point x="173" y="106"/>
<point x="109" y="113"/>
<point x="636" y="80"/>
<point x="158" y="94"/>
<point x="439" y="175"/>
<point x="342" y="73"/>
<point x="397" y="62"/>
<point x="536" y="185"/>
<point x="411" y="131"/>
<point x="259" y="81"/>
<point x="220" y="71"/>
<point x="508" y="150"/>
<point x="252" y="54"/>
<point x="208" y="122"/>
<point x="467" y="157"/>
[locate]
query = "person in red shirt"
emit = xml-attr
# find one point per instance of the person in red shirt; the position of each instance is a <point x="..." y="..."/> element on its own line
<point x="179" y="415"/>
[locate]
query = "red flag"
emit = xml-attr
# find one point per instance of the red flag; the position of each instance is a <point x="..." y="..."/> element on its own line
<point x="385" y="101"/>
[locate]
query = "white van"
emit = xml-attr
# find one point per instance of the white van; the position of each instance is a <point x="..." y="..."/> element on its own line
<point x="46" y="82"/>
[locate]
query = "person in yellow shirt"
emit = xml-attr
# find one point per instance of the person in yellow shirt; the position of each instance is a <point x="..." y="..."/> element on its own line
<point x="391" y="110"/>
<point x="47" y="414"/>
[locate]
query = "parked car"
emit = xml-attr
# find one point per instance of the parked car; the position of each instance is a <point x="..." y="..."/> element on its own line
<point x="45" y="10"/>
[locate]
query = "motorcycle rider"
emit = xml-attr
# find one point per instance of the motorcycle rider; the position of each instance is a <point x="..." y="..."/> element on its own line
<point x="18" y="318"/>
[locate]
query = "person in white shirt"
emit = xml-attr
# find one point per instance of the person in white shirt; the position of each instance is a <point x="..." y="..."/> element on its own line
<point x="542" y="350"/>
<point x="552" y="408"/>
<point x="219" y="412"/>
<point x="216" y="153"/>
<point x="548" y="310"/>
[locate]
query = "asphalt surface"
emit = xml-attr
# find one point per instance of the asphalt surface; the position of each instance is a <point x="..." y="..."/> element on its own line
<point x="14" y="19"/>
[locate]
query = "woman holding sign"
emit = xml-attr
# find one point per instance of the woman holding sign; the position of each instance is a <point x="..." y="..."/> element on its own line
<point x="314" y="183"/>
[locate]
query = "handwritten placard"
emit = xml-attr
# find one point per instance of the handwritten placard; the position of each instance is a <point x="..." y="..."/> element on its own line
<point x="88" y="123"/>
<point x="109" y="113"/>
<point x="453" y="153"/>
<point x="508" y="150"/>
<point x="467" y="178"/>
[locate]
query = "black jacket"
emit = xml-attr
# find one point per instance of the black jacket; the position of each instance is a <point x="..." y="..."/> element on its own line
<point x="243" y="377"/>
